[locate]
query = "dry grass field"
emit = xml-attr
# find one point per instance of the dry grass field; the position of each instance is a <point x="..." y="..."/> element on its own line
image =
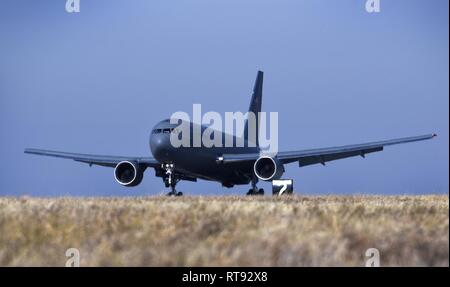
<point x="225" y="231"/>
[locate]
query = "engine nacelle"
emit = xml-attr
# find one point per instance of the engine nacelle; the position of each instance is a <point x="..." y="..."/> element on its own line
<point x="128" y="173"/>
<point x="268" y="168"/>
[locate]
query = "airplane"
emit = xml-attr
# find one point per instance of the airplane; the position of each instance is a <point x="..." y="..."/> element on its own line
<point x="229" y="166"/>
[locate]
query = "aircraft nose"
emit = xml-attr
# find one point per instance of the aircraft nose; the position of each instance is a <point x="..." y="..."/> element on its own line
<point x="160" y="146"/>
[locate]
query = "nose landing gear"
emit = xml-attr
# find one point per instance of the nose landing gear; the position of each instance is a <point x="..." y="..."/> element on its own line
<point x="170" y="180"/>
<point x="254" y="190"/>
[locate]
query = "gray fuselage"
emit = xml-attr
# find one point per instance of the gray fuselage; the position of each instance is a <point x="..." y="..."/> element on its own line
<point x="200" y="162"/>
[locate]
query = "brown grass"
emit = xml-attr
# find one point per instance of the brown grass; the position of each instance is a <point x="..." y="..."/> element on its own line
<point x="225" y="231"/>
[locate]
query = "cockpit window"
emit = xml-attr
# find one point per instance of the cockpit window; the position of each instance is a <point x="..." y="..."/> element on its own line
<point x="157" y="131"/>
<point x="166" y="131"/>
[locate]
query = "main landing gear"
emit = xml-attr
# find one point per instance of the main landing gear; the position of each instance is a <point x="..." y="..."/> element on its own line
<point x="254" y="190"/>
<point x="170" y="180"/>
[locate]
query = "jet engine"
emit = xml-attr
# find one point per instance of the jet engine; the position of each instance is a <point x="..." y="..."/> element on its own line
<point x="268" y="168"/>
<point x="128" y="173"/>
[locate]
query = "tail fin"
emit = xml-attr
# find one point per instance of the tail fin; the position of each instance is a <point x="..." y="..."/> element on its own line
<point x="255" y="105"/>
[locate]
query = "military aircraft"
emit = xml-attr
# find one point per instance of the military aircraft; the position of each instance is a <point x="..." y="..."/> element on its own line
<point x="227" y="165"/>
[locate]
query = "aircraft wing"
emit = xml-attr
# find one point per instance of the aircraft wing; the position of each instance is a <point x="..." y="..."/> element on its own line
<point x="322" y="155"/>
<point x="103" y="160"/>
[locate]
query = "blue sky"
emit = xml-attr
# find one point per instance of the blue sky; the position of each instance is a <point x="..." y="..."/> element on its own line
<point x="97" y="81"/>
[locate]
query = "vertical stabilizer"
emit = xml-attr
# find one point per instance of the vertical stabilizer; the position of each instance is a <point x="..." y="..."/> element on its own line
<point x="255" y="105"/>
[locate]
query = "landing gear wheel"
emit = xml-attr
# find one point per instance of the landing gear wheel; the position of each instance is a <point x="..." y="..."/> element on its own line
<point x="254" y="190"/>
<point x="174" y="193"/>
